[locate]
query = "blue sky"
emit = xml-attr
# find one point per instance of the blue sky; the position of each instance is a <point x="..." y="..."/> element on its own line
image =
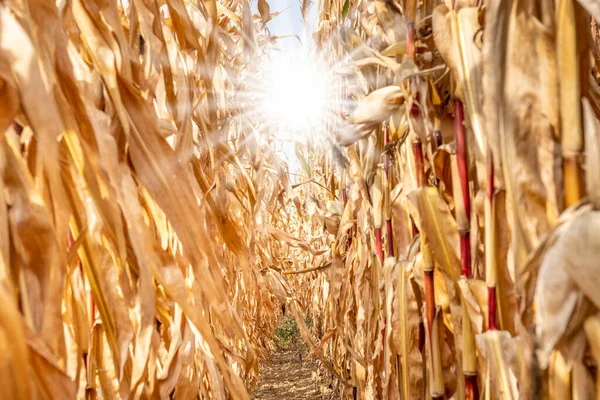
<point x="290" y="21"/>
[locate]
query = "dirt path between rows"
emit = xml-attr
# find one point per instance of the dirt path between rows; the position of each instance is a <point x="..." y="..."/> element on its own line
<point x="290" y="374"/>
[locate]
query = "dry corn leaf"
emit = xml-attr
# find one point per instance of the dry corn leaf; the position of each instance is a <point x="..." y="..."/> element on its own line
<point x="566" y="275"/>
<point x="499" y="350"/>
<point x="455" y="33"/>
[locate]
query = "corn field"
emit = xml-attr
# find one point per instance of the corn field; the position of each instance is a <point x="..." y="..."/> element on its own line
<point x="440" y="231"/>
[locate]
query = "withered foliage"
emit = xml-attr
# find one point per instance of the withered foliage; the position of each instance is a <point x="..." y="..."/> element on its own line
<point x="141" y="214"/>
<point x="464" y="259"/>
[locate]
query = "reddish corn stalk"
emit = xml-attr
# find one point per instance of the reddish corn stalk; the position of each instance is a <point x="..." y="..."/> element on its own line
<point x="491" y="266"/>
<point x="388" y="226"/>
<point x="418" y="152"/>
<point x="461" y="161"/>
<point x="492" y="308"/>
<point x="410" y="39"/>
<point x="429" y="299"/>
<point x="465" y="254"/>
<point x="471" y="388"/>
<point x="461" y="153"/>
<point x="419" y="165"/>
<point x="463" y="215"/>
<point x="378" y="204"/>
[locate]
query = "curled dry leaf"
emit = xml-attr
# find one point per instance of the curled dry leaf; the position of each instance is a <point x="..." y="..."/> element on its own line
<point x="499" y="350"/>
<point x="455" y="34"/>
<point x="567" y="282"/>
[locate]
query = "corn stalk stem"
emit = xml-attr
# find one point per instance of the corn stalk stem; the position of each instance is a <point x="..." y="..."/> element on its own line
<point x="429" y="300"/>
<point x="418" y="153"/>
<point x="436" y="388"/>
<point x="419" y="166"/>
<point x="471" y="388"/>
<point x="388" y="222"/>
<point x="378" y="244"/>
<point x="463" y="201"/>
<point x="492" y="308"/>
<point x="390" y="244"/>
<point x="410" y="39"/>
<point x="571" y="64"/>
<point x="491" y="245"/>
<point x="417" y="149"/>
<point x="461" y="154"/>
<point x="464" y="218"/>
<point x="465" y="254"/>
<point x="573" y="180"/>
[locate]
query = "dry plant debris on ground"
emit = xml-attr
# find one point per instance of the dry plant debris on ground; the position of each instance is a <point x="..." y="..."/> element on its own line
<point x="291" y="373"/>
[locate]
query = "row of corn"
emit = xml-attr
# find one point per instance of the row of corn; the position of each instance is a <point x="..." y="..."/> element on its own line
<point x="462" y="185"/>
<point x="140" y="211"/>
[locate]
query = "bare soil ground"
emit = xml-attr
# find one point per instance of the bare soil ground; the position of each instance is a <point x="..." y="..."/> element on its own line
<point x="291" y="373"/>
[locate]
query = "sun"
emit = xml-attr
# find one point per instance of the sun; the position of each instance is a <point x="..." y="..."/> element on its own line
<point x="295" y="94"/>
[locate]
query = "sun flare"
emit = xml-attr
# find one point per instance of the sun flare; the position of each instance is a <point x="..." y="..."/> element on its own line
<point x="295" y="94"/>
